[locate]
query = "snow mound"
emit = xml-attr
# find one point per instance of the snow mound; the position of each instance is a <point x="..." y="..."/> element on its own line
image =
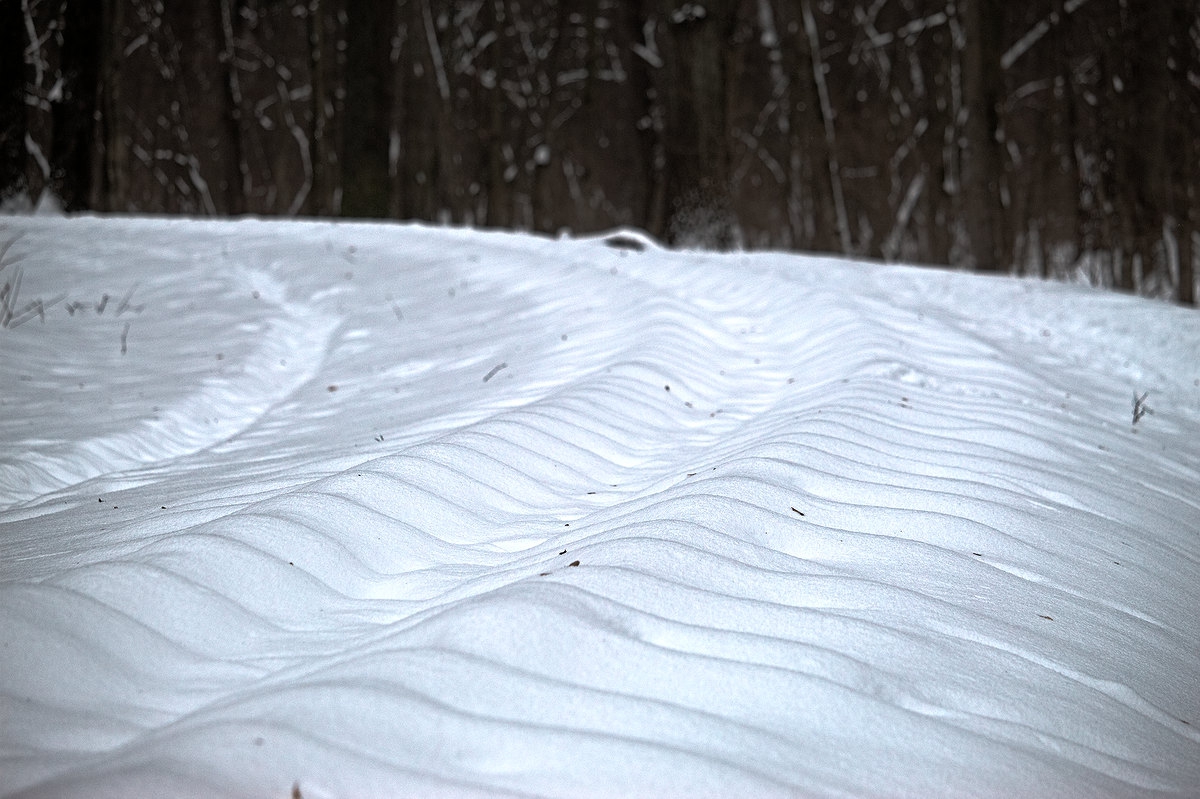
<point x="364" y="510"/>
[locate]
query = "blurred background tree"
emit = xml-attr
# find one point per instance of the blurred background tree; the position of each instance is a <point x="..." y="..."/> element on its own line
<point x="1054" y="137"/>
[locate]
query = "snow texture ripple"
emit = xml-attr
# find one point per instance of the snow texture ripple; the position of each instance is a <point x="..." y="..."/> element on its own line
<point x="341" y="510"/>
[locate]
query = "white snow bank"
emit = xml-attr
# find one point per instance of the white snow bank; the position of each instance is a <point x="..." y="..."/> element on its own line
<point x="357" y="510"/>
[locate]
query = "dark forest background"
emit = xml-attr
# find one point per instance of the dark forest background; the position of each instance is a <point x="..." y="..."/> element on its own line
<point x="1051" y="137"/>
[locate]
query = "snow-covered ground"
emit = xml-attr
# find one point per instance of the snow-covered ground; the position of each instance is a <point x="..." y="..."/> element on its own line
<point x="339" y="510"/>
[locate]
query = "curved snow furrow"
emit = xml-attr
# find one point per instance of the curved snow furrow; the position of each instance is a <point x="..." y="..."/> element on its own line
<point x="212" y="760"/>
<point x="842" y="705"/>
<point x="431" y="752"/>
<point x="565" y="716"/>
<point x="168" y="601"/>
<point x="1013" y="458"/>
<point x="1161" y="739"/>
<point x="213" y="411"/>
<point x="550" y="701"/>
<point x="581" y="572"/>
<point x="803" y="658"/>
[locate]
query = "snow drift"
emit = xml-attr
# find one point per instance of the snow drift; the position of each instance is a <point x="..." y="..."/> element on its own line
<point x="341" y="510"/>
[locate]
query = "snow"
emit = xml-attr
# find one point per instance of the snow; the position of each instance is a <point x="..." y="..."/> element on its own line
<point x="350" y="510"/>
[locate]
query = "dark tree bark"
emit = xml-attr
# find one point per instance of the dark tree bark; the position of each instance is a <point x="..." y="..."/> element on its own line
<point x="693" y="87"/>
<point x="12" y="99"/>
<point x="981" y="165"/>
<point x="237" y="179"/>
<point x="110" y="150"/>
<point x="367" y="111"/>
<point x="392" y="21"/>
<point x="1150" y="88"/>
<point x="326" y="66"/>
<point x="163" y="95"/>
<point x="74" y="115"/>
<point x="1185" y="234"/>
<point x="1184" y="141"/>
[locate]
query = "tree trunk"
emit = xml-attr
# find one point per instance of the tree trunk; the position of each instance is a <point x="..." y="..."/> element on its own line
<point x="828" y="118"/>
<point x="237" y="174"/>
<point x="112" y="158"/>
<point x="327" y="56"/>
<point x="695" y="137"/>
<point x="981" y="164"/>
<point x="12" y="98"/>
<point x="1186" y="293"/>
<point x="1148" y="98"/>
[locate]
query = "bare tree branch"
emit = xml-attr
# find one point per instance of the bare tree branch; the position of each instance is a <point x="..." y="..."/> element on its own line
<point x="827" y="115"/>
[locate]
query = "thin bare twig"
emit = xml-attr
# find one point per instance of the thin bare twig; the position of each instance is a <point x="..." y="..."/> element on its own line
<point x="5" y="247"/>
<point x="1031" y="37"/>
<point x="8" y="297"/>
<point x="124" y="304"/>
<point x="1140" y="408"/>
<point x="36" y="308"/>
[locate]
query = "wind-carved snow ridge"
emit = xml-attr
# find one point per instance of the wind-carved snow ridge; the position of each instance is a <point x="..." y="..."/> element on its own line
<point x="721" y="525"/>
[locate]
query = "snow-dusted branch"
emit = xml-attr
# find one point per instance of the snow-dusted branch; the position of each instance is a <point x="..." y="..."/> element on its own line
<point x="304" y="147"/>
<point x="1023" y="45"/>
<point x="38" y="156"/>
<point x="47" y="84"/>
<point x="891" y="245"/>
<point x="754" y="148"/>
<point x="904" y="31"/>
<point x="770" y="40"/>
<point x="33" y="50"/>
<point x="648" y="51"/>
<point x="435" y="53"/>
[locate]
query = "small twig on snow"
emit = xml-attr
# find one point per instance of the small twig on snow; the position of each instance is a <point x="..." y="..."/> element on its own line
<point x="1140" y="408"/>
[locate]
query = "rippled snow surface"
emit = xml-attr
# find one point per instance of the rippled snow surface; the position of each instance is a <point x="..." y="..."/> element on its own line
<point x="293" y="509"/>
